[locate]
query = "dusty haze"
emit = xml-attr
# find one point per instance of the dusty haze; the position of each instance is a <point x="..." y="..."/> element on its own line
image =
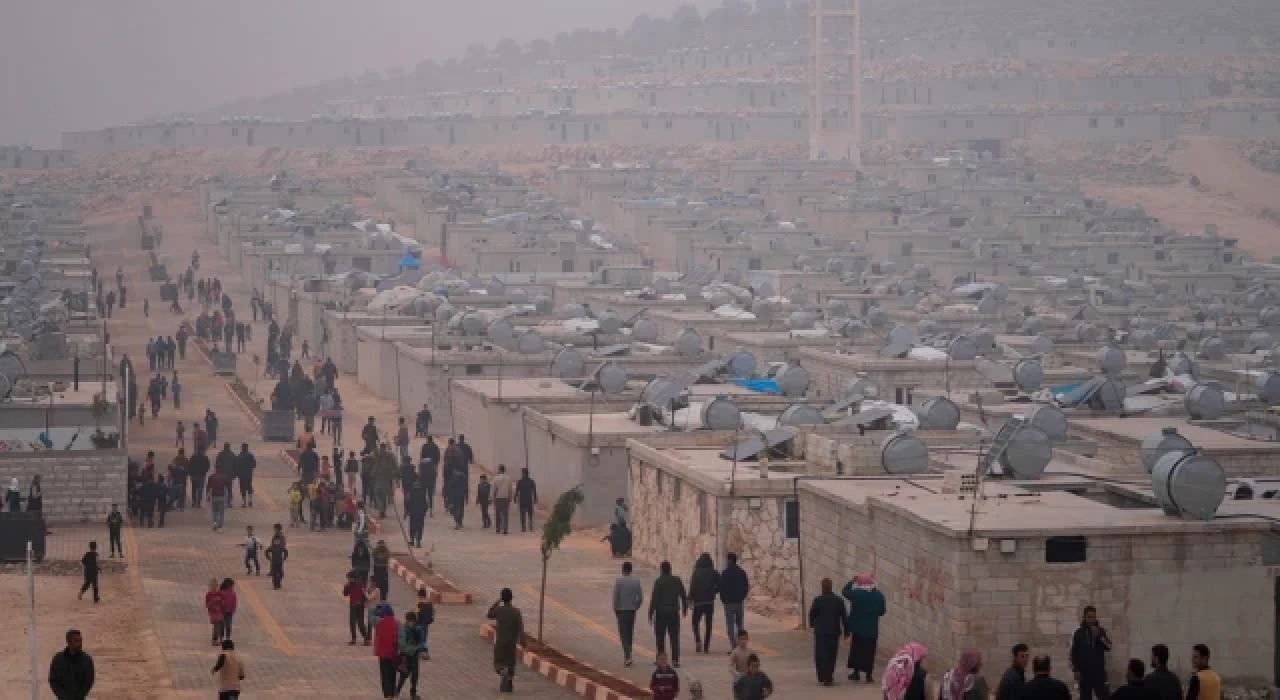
<point x="68" y="65"/>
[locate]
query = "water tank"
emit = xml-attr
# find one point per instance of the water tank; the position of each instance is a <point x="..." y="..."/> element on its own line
<point x="1205" y="402"/>
<point x="938" y="413"/>
<point x="1155" y="446"/>
<point x="609" y="322"/>
<point x="692" y="292"/>
<point x="901" y="336"/>
<point x="742" y="364"/>
<point x="877" y="317"/>
<point x="1181" y="363"/>
<point x="529" y="343"/>
<point x="984" y="338"/>
<point x="835" y="266"/>
<point x="1188" y="485"/>
<point x="927" y="327"/>
<point x="797" y="295"/>
<point x="920" y="273"/>
<point x="645" y="330"/>
<point x="1049" y="419"/>
<point x="800" y="414"/>
<point x="793" y="380"/>
<point x="801" y="320"/>
<point x="1087" y="332"/>
<point x="1270" y="317"/>
<point x="1259" y="340"/>
<point x="1042" y="345"/>
<point x="763" y="309"/>
<point x="861" y="385"/>
<point x="1111" y="359"/>
<point x="542" y="305"/>
<point x="655" y="388"/>
<point x="1028" y="375"/>
<point x="569" y="362"/>
<point x="837" y="308"/>
<point x="852" y="328"/>
<point x="962" y="348"/>
<point x="733" y="276"/>
<point x="1028" y="453"/>
<point x="611" y="377"/>
<point x="1212" y="348"/>
<point x="1143" y="339"/>
<point x="988" y="306"/>
<point x="1032" y="325"/>
<point x="906" y="286"/>
<point x="1269" y="388"/>
<point x="445" y="312"/>
<point x="573" y="310"/>
<point x="721" y="414"/>
<point x="501" y="331"/>
<point x="719" y="297"/>
<point x="688" y="343"/>
<point x="904" y="454"/>
<point x="1075" y="281"/>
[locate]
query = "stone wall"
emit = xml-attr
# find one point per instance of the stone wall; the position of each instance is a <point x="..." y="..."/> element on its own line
<point x="78" y="486"/>
<point x="1205" y="585"/>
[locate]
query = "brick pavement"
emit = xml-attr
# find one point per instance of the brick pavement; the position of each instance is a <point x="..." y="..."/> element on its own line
<point x="294" y="640"/>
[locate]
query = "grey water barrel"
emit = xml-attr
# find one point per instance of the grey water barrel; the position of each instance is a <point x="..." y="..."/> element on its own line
<point x="793" y="380"/>
<point x="1269" y="387"/>
<point x="1028" y="375"/>
<point x="1028" y="453"/>
<point x="501" y="331"/>
<point x="763" y="309"/>
<point x="1181" y="363"/>
<point x="542" y="305"/>
<point x="903" y="454"/>
<point x="569" y="362"/>
<point x="962" y="348"/>
<point x="741" y="364"/>
<point x="1111" y="359"/>
<point x="530" y="343"/>
<point x="984" y="338"/>
<point x="645" y="330"/>
<point x="801" y="320"/>
<point x="1042" y="344"/>
<point x="1205" y="402"/>
<point x="1050" y="419"/>
<point x="445" y="312"/>
<point x="1155" y="446"/>
<point x="800" y="414"/>
<point x="688" y="343"/>
<point x="609" y="322"/>
<point x="1188" y="485"/>
<point x="611" y="377"/>
<point x="938" y="413"/>
<point x="721" y="413"/>
<point x="1212" y="348"/>
<point x="901" y="336"/>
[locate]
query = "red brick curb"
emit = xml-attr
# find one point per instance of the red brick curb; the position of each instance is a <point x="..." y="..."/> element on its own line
<point x="243" y="406"/>
<point x="568" y="679"/>
<point x="433" y="594"/>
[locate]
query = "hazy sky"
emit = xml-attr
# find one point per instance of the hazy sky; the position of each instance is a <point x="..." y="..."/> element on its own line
<point x="83" y="64"/>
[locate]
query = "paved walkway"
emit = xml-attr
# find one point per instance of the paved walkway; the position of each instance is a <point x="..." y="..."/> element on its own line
<point x="293" y="640"/>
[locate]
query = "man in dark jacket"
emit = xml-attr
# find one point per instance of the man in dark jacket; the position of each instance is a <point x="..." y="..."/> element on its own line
<point x="667" y="603"/>
<point x="703" y="584"/>
<point x="245" y="464"/>
<point x="1164" y="682"/>
<point x="225" y="464"/>
<point x="198" y="471"/>
<point x="526" y="499"/>
<point x="308" y="465"/>
<point x="829" y="621"/>
<point x="733" y="593"/>
<point x="1043" y="686"/>
<point x="1134" y="687"/>
<point x="1089" y="647"/>
<point x="71" y="672"/>
<point x="370" y="436"/>
<point x="1016" y="675"/>
<point x="423" y="423"/>
<point x="429" y="458"/>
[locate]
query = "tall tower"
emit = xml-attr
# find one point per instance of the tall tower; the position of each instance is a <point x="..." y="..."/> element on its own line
<point x="835" y="79"/>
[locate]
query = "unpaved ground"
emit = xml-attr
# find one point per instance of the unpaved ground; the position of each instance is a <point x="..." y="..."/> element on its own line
<point x="1242" y="200"/>
<point x="113" y="632"/>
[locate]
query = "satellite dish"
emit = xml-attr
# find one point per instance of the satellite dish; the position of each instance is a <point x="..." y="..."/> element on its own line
<point x="765" y="290"/>
<point x="611" y="378"/>
<point x="568" y="363"/>
<point x="688" y="343"/>
<point x="962" y="348"/>
<point x="1027" y="454"/>
<point x="608" y="322"/>
<point x="861" y="385"/>
<point x="904" y="453"/>
<point x="529" y="343"/>
<point x="501" y="331"/>
<point x="938" y="413"/>
<point x="1050" y="419"/>
<point x="645" y="330"/>
<point x="1188" y="484"/>
<point x="1028" y="375"/>
<point x="801" y="414"/>
<point x="542" y="305"/>
<point x="1156" y="446"/>
<point x="1205" y="402"/>
<point x="721" y="414"/>
<point x="741" y="364"/>
<point x="1111" y="359"/>
<point x="793" y="380"/>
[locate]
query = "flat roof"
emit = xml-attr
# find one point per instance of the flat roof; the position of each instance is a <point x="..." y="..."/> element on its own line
<point x="521" y="389"/>
<point x="1138" y="427"/>
<point x="610" y="423"/>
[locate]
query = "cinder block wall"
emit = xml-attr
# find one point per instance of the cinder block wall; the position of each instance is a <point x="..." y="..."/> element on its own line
<point x="78" y="486"/>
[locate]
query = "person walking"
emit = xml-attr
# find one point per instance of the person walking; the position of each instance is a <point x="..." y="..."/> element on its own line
<point x="227" y="589"/>
<point x="754" y="684"/>
<point x="426" y="617"/>
<point x="422" y="425"/>
<point x="704" y="583"/>
<point x="501" y="500"/>
<point x="381" y="565"/>
<point x="1161" y="680"/>
<point x="89" y="562"/>
<point x="1135" y="687"/>
<point x="904" y="676"/>
<point x="252" y="566"/>
<point x="198" y="472"/>
<point x="230" y="671"/>
<point x="483" y="489"/>
<point x="176" y="388"/>
<point x="1089" y="647"/>
<point x="246" y="464"/>
<point x="964" y="681"/>
<point x="668" y="602"/>
<point x="429" y="464"/>
<point x="354" y="592"/>
<point x="386" y="647"/>
<point x="527" y="498"/>
<point x="1015" y="677"/>
<point x="410" y="646"/>
<point x="508" y="627"/>
<point x="219" y="493"/>
<point x="213" y="606"/>
<point x="277" y="554"/>
<point x="361" y="559"/>
<point x="628" y="596"/>
<point x="369" y="433"/>
<point x="1042" y="686"/>
<point x="402" y="439"/>
<point x="664" y="682"/>
<point x="734" y="587"/>
<point x="71" y="672"/>
<point x="180" y="438"/>
<point x="829" y="621"/>
<point x="866" y="607"/>
<point x="115" y="524"/>
<point x="1205" y="683"/>
<point x="417" y="511"/>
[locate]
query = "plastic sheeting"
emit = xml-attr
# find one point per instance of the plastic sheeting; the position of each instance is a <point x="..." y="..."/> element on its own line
<point x="763" y="386"/>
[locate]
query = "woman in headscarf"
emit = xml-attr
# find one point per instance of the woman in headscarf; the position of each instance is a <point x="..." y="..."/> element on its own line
<point x="13" y="496"/>
<point x="35" y="495"/>
<point x="866" y="607"/>
<point x="963" y="681"/>
<point x="904" y="677"/>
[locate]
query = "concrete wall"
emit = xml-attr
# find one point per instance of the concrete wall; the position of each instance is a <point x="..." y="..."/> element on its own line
<point x="35" y="159"/>
<point x="78" y="486"/>
<point x="1119" y="126"/>
<point x="1244" y="123"/>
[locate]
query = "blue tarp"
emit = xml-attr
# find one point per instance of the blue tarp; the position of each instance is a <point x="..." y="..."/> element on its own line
<point x="409" y="261"/>
<point x="764" y="386"/>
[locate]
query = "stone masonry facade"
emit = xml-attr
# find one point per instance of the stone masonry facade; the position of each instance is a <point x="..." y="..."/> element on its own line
<point x="78" y="486"/>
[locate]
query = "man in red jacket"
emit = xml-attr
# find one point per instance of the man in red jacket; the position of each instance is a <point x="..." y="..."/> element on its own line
<point x="386" y="646"/>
